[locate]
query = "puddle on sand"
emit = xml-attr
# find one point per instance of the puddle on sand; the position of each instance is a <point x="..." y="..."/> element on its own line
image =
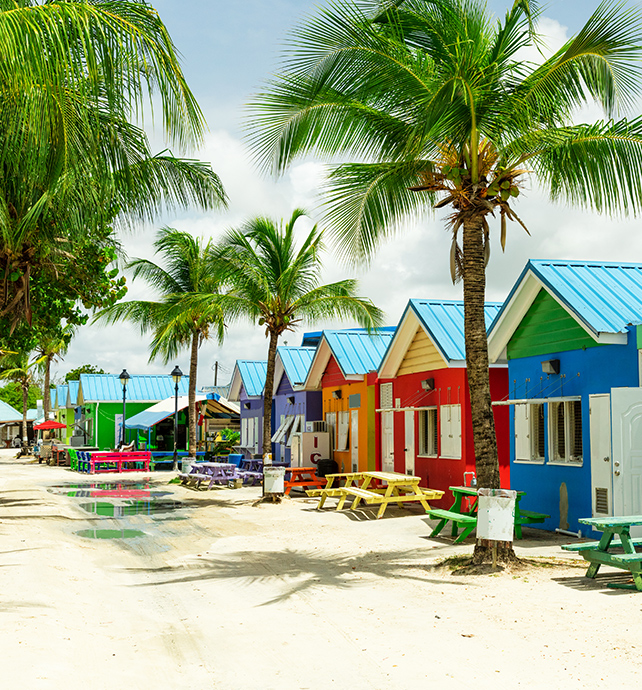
<point x="110" y="533"/>
<point x="129" y="489"/>
<point x="151" y="507"/>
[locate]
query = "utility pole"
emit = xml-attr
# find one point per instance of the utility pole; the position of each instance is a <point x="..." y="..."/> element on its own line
<point x="216" y="373"/>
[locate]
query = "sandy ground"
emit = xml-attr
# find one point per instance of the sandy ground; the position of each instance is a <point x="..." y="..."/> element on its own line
<point x="226" y="594"/>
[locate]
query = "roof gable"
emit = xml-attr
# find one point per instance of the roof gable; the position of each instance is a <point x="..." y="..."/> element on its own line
<point x="442" y="321"/>
<point x="294" y="363"/>
<point x="249" y="374"/>
<point x="356" y="353"/>
<point x="72" y="393"/>
<point x="603" y="298"/>
<point x="8" y="413"/>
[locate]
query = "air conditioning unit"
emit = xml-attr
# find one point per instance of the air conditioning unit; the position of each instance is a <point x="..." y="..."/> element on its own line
<point x="315" y="426"/>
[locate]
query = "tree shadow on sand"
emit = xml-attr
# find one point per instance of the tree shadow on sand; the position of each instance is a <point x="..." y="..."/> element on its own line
<point x="299" y="571"/>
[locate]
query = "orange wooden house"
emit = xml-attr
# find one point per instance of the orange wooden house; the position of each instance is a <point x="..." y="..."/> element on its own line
<point x="344" y="369"/>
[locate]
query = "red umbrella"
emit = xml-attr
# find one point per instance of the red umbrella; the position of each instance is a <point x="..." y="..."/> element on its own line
<point x="51" y="424"/>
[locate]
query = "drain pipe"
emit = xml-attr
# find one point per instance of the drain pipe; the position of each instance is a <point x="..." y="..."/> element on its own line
<point x="577" y="534"/>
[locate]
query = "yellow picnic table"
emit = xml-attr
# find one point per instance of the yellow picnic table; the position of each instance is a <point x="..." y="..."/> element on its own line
<point x="397" y="488"/>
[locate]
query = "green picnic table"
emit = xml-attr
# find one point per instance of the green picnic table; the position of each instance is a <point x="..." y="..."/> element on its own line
<point x="463" y="514"/>
<point x="600" y="552"/>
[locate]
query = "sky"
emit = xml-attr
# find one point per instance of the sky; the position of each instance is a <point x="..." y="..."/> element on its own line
<point x="228" y="50"/>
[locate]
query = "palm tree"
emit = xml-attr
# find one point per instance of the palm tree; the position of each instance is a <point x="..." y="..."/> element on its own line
<point x="72" y="76"/>
<point x="52" y="346"/>
<point x="435" y="101"/>
<point x="173" y="320"/>
<point x="16" y="367"/>
<point x="278" y="287"/>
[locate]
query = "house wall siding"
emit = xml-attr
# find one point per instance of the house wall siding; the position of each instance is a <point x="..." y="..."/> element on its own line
<point x="422" y="355"/>
<point x="582" y="373"/>
<point x="451" y="388"/>
<point x="547" y="327"/>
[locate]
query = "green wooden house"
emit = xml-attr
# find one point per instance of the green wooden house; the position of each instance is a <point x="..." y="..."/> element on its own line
<point x="98" y="409"/>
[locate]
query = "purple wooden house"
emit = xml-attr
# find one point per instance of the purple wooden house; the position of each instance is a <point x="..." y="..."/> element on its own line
<point x="246" y="388"/>
<point x="292" y="407"/>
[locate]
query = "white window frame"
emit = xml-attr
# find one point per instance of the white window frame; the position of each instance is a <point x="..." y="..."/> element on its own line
<point x="570" y="427"/>
<point x="450" y="431"/>
<point x="385" y="396"/>
<point x="428" y="433"/>
<point x="331" y="424"/>
<point x="343" y="431"/>
<point x="527" y="432"/>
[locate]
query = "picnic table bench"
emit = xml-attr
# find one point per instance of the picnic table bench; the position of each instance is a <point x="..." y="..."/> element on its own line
<point x="375" y="488"/>
<point x="302" y="477"/>
<point x="212" y="472"/>
<point x="600" y="552"/>
<point x="95" y="462"/>
<point x="464" y="516"/>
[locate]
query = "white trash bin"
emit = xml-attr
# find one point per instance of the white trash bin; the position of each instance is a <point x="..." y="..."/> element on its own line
<point x="273" y="480"/>
<point x="496" y="514"/>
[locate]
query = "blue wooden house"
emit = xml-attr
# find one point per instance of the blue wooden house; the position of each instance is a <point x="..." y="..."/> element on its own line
<point x="572" y="333"/>
<point x="292" y="406"/>
<point x="247" y="388"/>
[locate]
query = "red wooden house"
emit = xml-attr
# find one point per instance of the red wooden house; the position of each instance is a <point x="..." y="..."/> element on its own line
<point x="423" y="403"/>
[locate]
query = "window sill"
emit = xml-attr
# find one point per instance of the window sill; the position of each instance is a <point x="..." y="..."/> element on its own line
<point x="433" y="457"/>
<point x="566" y="464"/>
<point x="529" y="462"/>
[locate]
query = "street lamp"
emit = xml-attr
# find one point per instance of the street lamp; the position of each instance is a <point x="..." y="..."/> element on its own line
<point x="124" y="377"/>
<point x="176" y="377"/>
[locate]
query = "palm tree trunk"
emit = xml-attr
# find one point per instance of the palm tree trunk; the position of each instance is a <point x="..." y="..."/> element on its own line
<point x="191" y="397"/>
<point x="485" y="441"/>
<point x="46" y="399"/>
<point x="267" y="394"/>
<point x="25" y="405"/>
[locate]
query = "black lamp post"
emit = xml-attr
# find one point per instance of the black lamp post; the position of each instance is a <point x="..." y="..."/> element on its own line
<point x="176" y="377"/>
<point x="124" y="377"/>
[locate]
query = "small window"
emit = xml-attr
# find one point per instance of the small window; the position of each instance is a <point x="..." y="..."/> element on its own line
<point x="343" y="429"/>
<point x="450" y="428"/>
<point x="565" y="432"/>
<point x="331" y="423"/>
<point x="354" y="400"/>
<point x="530" y="433"/>
<point x="385" y="393"/>
<point x="428" y="432"/>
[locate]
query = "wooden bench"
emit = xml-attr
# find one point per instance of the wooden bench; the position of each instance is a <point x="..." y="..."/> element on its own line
<point x="302" y="477"/>
<point x="194" y="477"/>
<point x="466" y="522"/>
<point x="589" y="545"/>
<point x="526" y="517"/>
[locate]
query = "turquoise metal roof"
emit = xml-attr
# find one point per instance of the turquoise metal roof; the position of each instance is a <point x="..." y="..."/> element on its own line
<point x="296" y="362"/>
<point x="74" y="387"/>
<point x="8" y="413"/>
<point x="52" y="393"/>
<point x="107" y="388"/>
<point x="62" y="395"/>
<point x="444" y="320"/>
<point x="606" y="296"/>
<point x="253" y="375"/>
<point x="357" y="352"/>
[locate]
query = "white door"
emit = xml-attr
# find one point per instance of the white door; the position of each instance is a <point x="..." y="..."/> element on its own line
<point x="409" y="447"/>
<point x="387" y="442"/>
<point x="354" y="440"/>
<point x="601" y="470"/>
<point x="626" y="409"/>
